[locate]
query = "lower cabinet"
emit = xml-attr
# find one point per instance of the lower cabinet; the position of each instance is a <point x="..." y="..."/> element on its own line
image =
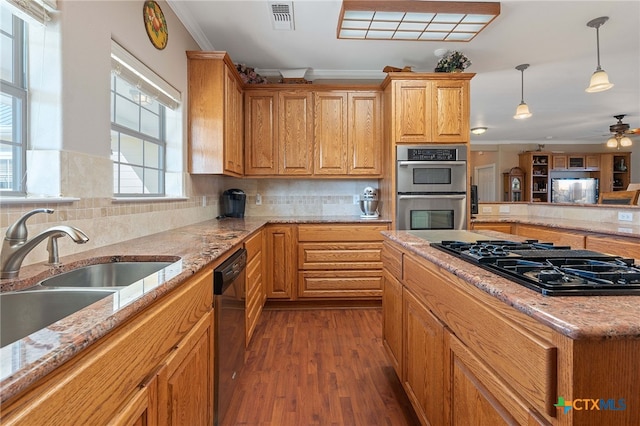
<point x="392" y="320"/>
<point x="423" y="372"/>
<point x="558" y="237"/>
<point x="155" y="369"/>
<point x="255" y="290"/>
<point x="498" y="226"/>
<point x="340" y="261"/>
<point x="280" y="250"/>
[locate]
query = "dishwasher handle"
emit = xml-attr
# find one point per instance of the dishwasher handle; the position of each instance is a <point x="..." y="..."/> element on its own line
<point x="229" y="271"/>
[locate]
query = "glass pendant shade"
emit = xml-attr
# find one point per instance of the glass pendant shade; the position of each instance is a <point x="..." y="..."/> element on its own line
<point x="625" y="141"/>
<point x="599" y="82"/>
<point x="612" y="143"/>
<point x="522" y="111"/>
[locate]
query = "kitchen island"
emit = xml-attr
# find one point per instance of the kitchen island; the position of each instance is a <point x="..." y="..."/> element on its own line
<point x="477" y="348"/>
<point x="199" y="248"/>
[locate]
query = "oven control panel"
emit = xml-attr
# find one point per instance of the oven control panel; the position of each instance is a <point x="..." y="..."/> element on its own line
<point x="431" y="153"/>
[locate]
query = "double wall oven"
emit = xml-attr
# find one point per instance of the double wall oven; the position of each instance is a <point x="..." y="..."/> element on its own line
<point x="431" y="183"/>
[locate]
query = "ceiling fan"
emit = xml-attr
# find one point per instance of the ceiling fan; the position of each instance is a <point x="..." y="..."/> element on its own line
<point x="621" y="132"/>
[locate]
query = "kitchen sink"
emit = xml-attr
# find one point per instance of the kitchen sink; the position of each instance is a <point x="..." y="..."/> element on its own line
<point x="27" y="311"/>
<point x="116" y="274"/>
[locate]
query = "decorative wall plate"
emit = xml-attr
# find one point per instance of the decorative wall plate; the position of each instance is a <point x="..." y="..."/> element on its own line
<point x="155" y="24"/>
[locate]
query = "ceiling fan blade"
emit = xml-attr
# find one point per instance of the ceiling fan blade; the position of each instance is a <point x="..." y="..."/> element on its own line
<point x="633" y="131"/>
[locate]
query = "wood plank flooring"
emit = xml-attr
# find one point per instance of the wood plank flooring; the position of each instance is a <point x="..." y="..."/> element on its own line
<point x="319" y="367"/>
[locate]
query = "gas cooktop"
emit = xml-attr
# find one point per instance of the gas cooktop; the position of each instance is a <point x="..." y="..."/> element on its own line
<point x="549" y="269"/>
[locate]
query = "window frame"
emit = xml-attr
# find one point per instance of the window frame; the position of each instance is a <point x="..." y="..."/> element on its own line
<point x="18" y="91"/>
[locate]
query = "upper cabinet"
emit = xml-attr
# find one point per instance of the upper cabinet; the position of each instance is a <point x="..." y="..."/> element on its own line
<point x="312" y="132"/>
<point x="215" y="127"/>
<point x="278" y="133"/>
<point x="430" y="108"/>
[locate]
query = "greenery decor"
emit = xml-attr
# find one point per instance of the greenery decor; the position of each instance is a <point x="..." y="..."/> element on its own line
<point x="453" y="62"/>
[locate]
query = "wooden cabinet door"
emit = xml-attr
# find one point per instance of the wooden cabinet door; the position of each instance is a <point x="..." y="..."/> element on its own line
<point x="261" y="133"/>
<point x="233" y="143"/>
<point x="392" y="320"/>
<point x="185" y="383"/>
<point x="295" y="133"/>
<point x="592" y="161"/>
<point x="469" y="402"/>
<point x="450" y="111"/>
<point x="142" y="408"/>
<point x="559" y="161"/>
<point x="423" y="371"/>
<point x="413" y="110"/>
<point x="330" y="133"/>
<point x="364" y="135"/>
<point x="280" y="261"/>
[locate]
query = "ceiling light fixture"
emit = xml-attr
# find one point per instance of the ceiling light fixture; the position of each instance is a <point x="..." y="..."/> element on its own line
<point x="414" y="20"/>
<point x="522" y="111"/>
<point x="618" y="141"/>
<point x="478" y="130"/>
<point x="599" y="79"/>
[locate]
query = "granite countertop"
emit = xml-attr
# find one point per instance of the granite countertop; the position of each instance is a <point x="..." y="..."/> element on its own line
<point x="24" y="362"/>
<point x="578" y="317"/>
<point x="621" y="229"/>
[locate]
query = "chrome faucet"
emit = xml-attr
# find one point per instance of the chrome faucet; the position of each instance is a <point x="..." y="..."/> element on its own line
<point x="16" y="246"/>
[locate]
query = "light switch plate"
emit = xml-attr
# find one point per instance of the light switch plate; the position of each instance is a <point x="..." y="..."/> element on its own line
<point x="504" y="209"/>
<point x="356" y="199"/>
<point x="258" y="199"/>
<point x="486" y="209"/>
<point x="625" y="216"/>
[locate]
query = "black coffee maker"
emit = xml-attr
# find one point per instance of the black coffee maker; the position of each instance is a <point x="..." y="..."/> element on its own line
<point x="233" y="202"/>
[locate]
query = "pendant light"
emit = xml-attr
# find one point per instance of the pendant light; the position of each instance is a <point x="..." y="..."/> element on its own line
<point x="599" y="79"/>
<point x="522" y="111"/>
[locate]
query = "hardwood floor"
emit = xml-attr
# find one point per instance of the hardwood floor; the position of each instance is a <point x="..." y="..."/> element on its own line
<point x="319" y="367"/>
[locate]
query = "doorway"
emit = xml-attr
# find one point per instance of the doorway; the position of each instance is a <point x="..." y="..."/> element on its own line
<point x="485" y="178"/>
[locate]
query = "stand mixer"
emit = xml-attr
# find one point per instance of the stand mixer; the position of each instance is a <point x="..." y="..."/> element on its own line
<point x="369" y="203"/>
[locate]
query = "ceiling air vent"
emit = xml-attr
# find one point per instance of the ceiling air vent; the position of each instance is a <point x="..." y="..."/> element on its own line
<point x="281" y="15"/>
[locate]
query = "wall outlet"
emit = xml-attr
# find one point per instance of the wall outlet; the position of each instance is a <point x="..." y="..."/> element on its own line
<point x="486" y="209"/>
<point x="625" y="216"/>
<point x="258" y="199"/>
<point x="356" y="199"/>
<point x="504" y="209"/>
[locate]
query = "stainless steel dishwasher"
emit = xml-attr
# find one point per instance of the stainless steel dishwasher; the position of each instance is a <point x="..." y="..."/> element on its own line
<point x="229" y="334"/>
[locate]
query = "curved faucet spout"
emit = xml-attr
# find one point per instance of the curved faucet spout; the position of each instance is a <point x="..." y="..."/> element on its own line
<point x="14" y="253"/>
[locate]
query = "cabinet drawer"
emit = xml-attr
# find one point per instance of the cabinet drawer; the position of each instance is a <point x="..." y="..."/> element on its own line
<point x="341" y="232"/>
<point x="340" y="256"/>
<point x="253" y="246"/>
<point x="497" y="335"/>
<point x="340" y="284"/>
<point x="392" y="260"/>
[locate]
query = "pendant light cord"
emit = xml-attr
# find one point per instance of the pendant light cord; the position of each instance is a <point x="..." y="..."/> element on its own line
<point x="598" y="46"/>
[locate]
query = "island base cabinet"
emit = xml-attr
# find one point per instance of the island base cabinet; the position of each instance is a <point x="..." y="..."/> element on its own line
<point x="162" y="359"/>
<point x="392" y="320"/>
<point x="423" y="378"/>
<point x="475" y="396"/>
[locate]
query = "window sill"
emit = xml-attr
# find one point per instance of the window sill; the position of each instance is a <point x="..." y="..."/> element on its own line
<point x="37" y="200"/>
<point x="146" y="199"/>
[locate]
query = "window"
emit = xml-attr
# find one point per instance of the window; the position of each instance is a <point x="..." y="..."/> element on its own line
<point x="13" y="104"/>
<point x="140" y="105"/>
<point x="137" y="141"/>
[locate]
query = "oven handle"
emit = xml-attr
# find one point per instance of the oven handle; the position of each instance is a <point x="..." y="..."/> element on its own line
<point x="431" y="163"/>
<point x="440" y="196"/>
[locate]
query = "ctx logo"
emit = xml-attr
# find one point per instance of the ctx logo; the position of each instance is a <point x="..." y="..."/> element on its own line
<point x="590" y="404"/>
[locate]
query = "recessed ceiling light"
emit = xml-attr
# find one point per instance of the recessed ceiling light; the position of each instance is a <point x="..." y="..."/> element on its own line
<point x="478" y="130"/>
<point x="414" y="20"/>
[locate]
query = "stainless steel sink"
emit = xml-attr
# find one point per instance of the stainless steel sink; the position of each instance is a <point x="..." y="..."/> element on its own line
<point x="116" y="274"/>
<point x="25" y="312"/>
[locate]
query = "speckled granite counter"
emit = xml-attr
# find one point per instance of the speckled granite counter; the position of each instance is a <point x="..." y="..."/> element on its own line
<point x="578" y="317"/>
<point x="28" y="360"/>
<point x="621" y="229"/>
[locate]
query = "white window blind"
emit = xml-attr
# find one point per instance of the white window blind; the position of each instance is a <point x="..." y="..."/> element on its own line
<point x="134" y="72"/>
<point x="32" y="11"/>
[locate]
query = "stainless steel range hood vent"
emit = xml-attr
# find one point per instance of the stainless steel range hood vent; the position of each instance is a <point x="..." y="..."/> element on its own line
<point x="282" y="15"/>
